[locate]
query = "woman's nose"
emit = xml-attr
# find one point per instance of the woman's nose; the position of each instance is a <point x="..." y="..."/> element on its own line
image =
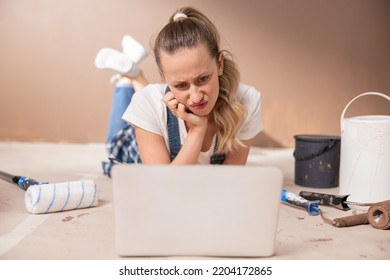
<point x="195" y="95"/>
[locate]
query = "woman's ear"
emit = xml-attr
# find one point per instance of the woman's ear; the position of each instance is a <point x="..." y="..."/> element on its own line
<point x="221" y="60"/>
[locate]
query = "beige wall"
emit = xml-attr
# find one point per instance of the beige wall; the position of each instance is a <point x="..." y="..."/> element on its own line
<point x="307" y="57"/>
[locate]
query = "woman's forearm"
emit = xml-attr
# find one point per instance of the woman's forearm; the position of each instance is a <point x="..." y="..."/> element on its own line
<point x="189" y="152"/>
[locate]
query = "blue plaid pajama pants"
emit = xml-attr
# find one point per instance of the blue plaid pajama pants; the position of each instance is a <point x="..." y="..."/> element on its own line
<point x="121" y="148"/>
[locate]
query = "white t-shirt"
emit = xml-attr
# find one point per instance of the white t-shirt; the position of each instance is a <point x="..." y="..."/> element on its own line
<point x="148" y="111"/>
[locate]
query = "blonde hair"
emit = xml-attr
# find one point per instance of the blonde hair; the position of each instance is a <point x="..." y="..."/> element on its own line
<point x="188" y="30"/>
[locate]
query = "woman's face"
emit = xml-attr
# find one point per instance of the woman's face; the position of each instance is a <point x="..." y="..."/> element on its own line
<point x="192" y="76"/>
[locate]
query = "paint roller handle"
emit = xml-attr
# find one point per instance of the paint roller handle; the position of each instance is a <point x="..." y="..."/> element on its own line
<point x="23" y="182"/>
<point x="7" y="177"/>
<point x="337" y="201"/>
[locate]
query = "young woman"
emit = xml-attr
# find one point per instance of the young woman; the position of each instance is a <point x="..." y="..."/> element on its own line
<point x="217" y="116"/>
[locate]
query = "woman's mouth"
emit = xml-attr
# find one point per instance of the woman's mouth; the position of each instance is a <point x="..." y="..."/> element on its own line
<point x="199" y="106"/>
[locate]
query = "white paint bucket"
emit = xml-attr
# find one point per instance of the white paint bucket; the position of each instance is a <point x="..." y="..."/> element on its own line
<point x="365" y="155"/>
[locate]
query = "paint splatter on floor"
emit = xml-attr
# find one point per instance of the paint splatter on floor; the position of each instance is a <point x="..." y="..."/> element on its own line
<point x="67" y="219"/>
<point x="320" y="239"/>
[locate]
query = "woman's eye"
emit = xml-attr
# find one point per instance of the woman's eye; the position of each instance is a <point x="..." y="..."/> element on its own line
<point x="203" y="79"/>
<point x="180" y="86"/>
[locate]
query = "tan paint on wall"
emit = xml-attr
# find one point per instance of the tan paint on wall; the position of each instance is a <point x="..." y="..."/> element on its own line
<point x="308" y="58"/>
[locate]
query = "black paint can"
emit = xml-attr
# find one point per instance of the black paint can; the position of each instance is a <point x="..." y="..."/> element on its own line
<point x="317" y="161"/>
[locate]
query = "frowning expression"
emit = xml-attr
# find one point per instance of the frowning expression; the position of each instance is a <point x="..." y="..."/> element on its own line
<point x="192" y="75"/>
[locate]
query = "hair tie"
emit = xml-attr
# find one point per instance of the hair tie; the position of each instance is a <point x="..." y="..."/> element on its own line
<point x="178" y="16"/>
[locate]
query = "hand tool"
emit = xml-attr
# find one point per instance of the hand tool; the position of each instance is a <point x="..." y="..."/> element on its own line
<point x="23" y="182"/>
<point x="42" y="197"/>
<point x="293" y="199"/>
<point x="337" y="201"/>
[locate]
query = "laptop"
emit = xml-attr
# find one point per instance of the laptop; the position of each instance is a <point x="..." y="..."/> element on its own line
<point x="196" y="210"/>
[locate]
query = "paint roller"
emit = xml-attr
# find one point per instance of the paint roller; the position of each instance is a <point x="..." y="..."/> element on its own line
<point x="42" y="197"/>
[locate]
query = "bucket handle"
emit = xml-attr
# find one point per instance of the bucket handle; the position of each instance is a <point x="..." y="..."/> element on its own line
<point x="360" y="95"/>
<point x="328" y="147"/>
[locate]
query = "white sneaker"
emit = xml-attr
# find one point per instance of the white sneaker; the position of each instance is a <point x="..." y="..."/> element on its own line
<point x="115" y="78"/>
<point x="133" y="49"/>
<point x="108" y="58"/>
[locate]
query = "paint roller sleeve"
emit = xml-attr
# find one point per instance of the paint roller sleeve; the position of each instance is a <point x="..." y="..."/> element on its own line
<point x="379" y="215"/>
<point x="47" y="198"/>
